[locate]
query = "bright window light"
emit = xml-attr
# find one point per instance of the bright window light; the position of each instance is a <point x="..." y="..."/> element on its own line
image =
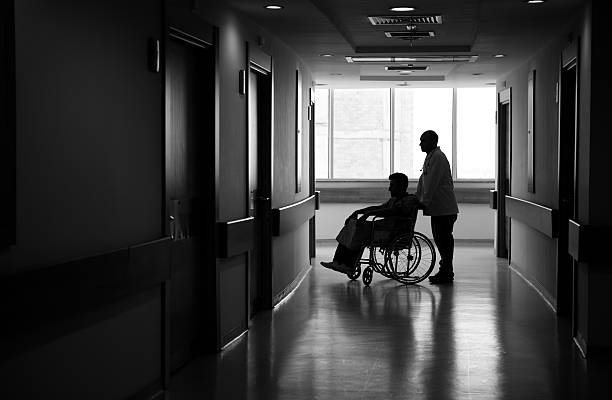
<point x="418" y="110"/>
<point x="370" y="133"/>
<point x="321" y="133"/>
<point x="476" y="133"/>
<point x="361" y="133"/>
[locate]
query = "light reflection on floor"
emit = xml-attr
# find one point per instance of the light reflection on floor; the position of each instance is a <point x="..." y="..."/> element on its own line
<point x="488" y="336"/>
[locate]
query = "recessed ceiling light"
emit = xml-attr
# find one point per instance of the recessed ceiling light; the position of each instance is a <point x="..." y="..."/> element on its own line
<point x="405" y="72"/>
<point x="535" y="1"/>
<point x="326" y="55"/>
<point x="499" y="55"/>
<point x="402" y="9"/>
<point x="273" y="7"/>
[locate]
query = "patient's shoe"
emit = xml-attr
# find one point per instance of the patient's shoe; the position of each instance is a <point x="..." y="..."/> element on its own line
<point x="328" y="264"/>
<point x="336" y="266"/>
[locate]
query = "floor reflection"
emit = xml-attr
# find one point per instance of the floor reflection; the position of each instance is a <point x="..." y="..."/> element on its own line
<point x="488" y="336"/>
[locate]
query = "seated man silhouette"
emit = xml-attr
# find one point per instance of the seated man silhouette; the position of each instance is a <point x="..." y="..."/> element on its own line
<point x="400" y="204"/>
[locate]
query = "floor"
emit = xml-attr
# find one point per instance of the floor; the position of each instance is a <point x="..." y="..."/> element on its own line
<point x="487" y="336"/>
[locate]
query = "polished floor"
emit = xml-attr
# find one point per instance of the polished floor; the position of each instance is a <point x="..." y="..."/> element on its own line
<point x="488" y="336"/>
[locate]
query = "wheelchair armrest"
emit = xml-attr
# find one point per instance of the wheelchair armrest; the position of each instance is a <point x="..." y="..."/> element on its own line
<point x="397" y="224"/>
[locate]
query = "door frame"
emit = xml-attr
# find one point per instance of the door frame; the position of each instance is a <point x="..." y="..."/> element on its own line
<point x="504" y="169"/>
<point x="566" y="278"/>
<point x="311" y="170"/>
<point x="8" y="150"/>
<point x="260" y="62"/>
<point x="189" y="28"/>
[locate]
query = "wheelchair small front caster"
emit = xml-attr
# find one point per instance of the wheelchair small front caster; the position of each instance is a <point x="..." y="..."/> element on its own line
<point x="367" y="276"/>
<point x="355" y="274"/>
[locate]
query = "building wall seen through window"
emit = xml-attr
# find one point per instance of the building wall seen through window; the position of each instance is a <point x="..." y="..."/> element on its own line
<point x="374" y="132"/>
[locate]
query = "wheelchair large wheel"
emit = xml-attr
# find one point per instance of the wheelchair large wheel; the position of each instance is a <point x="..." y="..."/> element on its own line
<point x="410" y="258"/>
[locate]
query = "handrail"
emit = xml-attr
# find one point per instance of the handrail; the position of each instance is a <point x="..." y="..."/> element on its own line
<point x="290" y="217"/>
<point x="235" y="236"/>
<point x="536" y="216"/>
<point x="34" y="300"/>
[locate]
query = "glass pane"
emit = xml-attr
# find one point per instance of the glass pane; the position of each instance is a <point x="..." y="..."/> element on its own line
<point x="476" y="133"/>
<point x="418" y="110"/>
<point x="321" y="133"/>
<point x="361" y="133"/>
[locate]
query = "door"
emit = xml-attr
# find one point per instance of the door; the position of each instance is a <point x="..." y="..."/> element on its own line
<point x="311" y="166"/>
<point x="259" y="143"/>
<point x="567" y="183"/>
<point x="189" y="177"/>
<point x="504" y="169"/>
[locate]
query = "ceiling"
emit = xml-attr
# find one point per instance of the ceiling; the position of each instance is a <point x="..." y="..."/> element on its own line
<point x="469" y="27"/>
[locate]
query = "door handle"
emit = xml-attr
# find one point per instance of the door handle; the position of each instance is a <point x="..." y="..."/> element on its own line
<point x="172" y="227"/>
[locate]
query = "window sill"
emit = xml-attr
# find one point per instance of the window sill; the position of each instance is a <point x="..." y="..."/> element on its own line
<point x="375" y="191"/>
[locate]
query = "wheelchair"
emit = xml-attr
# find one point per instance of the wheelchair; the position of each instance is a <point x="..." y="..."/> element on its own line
<point x="395" y="251"/>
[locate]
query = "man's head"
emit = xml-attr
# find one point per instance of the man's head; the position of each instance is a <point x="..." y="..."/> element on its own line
<point x="398" y="183"/>
<point x="429" y="141"/>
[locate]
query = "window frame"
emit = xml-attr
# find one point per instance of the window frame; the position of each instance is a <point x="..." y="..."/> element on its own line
<point x="349" y="182"/>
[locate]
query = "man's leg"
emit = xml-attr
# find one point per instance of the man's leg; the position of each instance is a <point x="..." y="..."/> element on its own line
<point x="442" y="229"/>
<point x="345" y="258"/>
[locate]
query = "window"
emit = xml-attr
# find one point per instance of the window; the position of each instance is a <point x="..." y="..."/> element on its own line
<point x="476" y="133"/>
<point x="361" y="133"/>
<point x="321" y="133"/>
<point x="417" y="110"/>
<point x="374" y="132"/>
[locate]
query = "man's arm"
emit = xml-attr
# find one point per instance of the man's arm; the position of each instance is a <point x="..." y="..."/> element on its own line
<point x="381" y="212"/>
<point x="363" y="211"/>
<point x="431" y="180"/>
<point x="403" y="207"/>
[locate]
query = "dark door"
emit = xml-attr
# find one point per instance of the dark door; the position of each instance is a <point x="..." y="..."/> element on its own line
<point x="189" y="178"/>
<point x="311" y="166"/>
<point x="260" y="101"/>
<point x="567" y="183"/>
<point x="504" y="172"/>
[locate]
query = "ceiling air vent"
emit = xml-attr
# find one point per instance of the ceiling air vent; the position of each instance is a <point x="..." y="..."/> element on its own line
<point x="410" y="35"/>
<point x="405" y="19"/>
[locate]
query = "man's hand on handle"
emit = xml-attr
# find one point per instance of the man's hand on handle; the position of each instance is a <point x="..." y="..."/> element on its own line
<point x="350" y="217"/>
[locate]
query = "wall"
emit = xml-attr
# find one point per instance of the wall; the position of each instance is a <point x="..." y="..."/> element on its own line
<point x="290" y="251"/>
<point x="89" y="163"/>
<point x="475" y="221"/>
<point x="593" y="278"/>
<point x="90" y="168"/>
<point x="533" y="254"/>
<point x="88" y="122"/>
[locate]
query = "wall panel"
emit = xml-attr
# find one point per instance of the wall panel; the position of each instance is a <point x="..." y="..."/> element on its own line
<point x="234" y="32"/>
<point x="532" y="252"/>
<point x="89" y="124"/>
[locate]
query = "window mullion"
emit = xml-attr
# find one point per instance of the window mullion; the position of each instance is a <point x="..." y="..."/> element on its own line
<point x="392" y="129"/>
<point x="330" y="133"/>
<point x="454" y="135"/>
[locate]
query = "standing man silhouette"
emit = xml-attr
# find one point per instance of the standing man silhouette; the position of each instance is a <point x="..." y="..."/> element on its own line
<point x="436" y="194"/>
